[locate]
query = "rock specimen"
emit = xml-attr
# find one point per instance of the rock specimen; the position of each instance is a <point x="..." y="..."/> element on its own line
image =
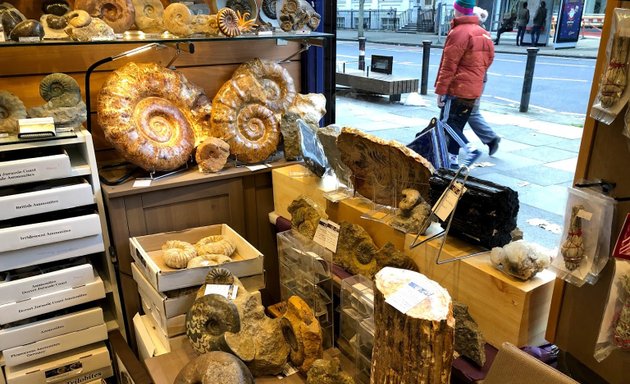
<point x="486" y="213"/>
<point x="312" y="151"/>
<point x="63" y="101"/>
<point x="118" y="14"/>
<point x="327" y="372"/>
<point x="381" y="169"/>
<point x="310" y="108"/>
<point x="296" y="15"/>
<point x="213" y="368"/>
<point x="415" y="346"/>
<point x="27" y="29"/>
<point x="212" y="155"/>
<point x="10" y="17"/>
<point x="327" y="136"/>
<point x="54" y="26"/>
<point x="304" y="216"/>
<point x="469" y="341"/>
<point x="412" y="213"/>
<point x="82" y="27"/>
<point x="303" y="333"/>
<point x="521" y="259"/>
<point x="11" y="110"/>
<point x="55" y="7"/>
<point x="357" y="253"/>
<point x="237" y="326"/>
<point x="148" y="15"/>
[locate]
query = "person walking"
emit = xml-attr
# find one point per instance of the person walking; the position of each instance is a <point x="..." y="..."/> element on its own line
<point x="476" y="121"/>
<point x="468" y="52"/>
<point x="522" y="18"/>
<point x="540" y="19"/>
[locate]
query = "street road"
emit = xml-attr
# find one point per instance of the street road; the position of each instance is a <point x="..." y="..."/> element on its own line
<point x="560" y="85"/>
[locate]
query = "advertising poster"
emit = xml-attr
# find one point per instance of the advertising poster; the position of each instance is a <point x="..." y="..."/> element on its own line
<point x="569" y="23"/>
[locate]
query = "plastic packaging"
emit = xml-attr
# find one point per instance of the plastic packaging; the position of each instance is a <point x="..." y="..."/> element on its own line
<point x="585" y="242"/>
<point x="613" y="92"/>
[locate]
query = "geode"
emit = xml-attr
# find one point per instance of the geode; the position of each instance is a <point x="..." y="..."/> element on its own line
<point x="381" y="169"/>
<point x="486" y="213"/>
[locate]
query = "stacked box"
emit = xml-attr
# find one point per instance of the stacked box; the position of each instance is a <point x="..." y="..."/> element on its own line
<point x="166" y="294"/>
<point x="356" y="333"/>
<point x="305" y="272"/>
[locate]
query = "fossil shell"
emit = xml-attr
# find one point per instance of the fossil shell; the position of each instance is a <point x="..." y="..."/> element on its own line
<point x="269" y="9"/>
<point x="217" y="244"/>
<point x="208" y="260"/>
<point x="241" y="118"/>
<point x="78" y="18"/>
<point x="118" y="14"/>
<point x="54" y="22"/>
<point x="27" y="28"/>
<point x="55" y="7"/>
<point x="11" y="109"/>
<point x="241" y="6"/>
<point x="219" y="276"/>
<point x="276" y="82"/>
<point x="152" y="114"/>
<point x="228" y="22"/>
<point x="149" y="15"/>
<point x="10" y="18"/>
<point x="214" y="368"/>
<point x="176" y="254"/>
<point x="212" y="154"/>
<point x="60" y="90"/>
<point x="209" y="318"/>
<point x="303" y="333"/>
<point x="298" y="14"/>
<point x="178" y="19"/>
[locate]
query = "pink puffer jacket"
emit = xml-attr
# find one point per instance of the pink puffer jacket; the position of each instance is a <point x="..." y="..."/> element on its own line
<point x="468" y="52"/>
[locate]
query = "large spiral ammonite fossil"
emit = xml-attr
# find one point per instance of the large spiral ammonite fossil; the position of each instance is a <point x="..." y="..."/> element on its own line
<point x="269" y="9"/>
<point x="207" y="321"/>
<point x="241" y="117"/>
<point x="11" y="110"/>
<point x="148" y="15"/>
<point x="152" y="115"/>
<point x="178" y="20"/>
<point x="118" y="14"/>
<point x="213" y="368"/>
<point x="60" y="90"/>
<point x="276" y="82"/>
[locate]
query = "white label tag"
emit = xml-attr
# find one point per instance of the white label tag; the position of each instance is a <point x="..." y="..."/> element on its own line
<point x="2" y="37"/>
<point x="446" y="203"/>
<point x="407" y="297"/>
<point x="142" y="183"/>
<point x="29" y="39"/>
<point x="227" y="291"/>
<point x="47" y="235"/>
<point x="258" y="167"/>
<point x="327" y="235"/>
<point x="585" y="215"/>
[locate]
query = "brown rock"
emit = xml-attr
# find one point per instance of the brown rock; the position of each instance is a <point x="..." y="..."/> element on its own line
<point x="212" y="155"/>
<point x="327" y="372"/>
<point x="291" y="136"/>
<point x="304" y="216"/>
<point x="469" y="341"/>
<point x="381" y="169"/>
<point x="412" y="214"/>
<point x="303" y="333"/>
<point x="310" y="108"/>
<point x="215" y="367"/>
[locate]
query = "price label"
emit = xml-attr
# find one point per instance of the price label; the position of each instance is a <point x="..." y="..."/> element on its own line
<point x="446" y="203"/>
<point x="258" y="167"/>
<point x="327" y="234"/>
<point x="585" y="215"/>
<point x="407" y="297"/>
<point x="227" y="291"/>
<point x="142" y="183"/>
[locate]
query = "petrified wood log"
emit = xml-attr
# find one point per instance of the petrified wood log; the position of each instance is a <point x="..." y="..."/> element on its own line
<point x="485" y="215"/>
<point x="381" y="169"/>
<point x="416" y="346"/>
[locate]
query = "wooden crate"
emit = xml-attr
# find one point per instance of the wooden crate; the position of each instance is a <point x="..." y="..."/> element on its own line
<point x="505" y="309"/>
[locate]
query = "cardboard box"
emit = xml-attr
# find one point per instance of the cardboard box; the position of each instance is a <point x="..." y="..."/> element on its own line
<point x="53" y="345"/>
<point x="52" y="301"/>
<point x="170" y="312"/>
<point x="504" y="308"/>
<point x="15" y="202"/>
<point x="157" y="333"/>
<point x="42" y="329"/>
<point x="38" y="234"/>
<point x="296" y="180"/>
<point x="148" y="342"/>
<point x="29" y="287"/>
<point x="147" y="253"/>
<point x="77" y="366"/>
<point x="38" y="168"/>
<point x="26" y="257"/>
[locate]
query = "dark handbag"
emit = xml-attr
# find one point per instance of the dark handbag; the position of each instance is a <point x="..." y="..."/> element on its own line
<point x="430" y="143"/>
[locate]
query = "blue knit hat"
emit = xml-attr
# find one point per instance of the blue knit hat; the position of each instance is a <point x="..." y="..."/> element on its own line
<point x="464" y="6"/>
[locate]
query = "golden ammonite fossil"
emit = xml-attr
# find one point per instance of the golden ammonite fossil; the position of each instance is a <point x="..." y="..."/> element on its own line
<point x="232" y="23"/>
<point x="153" y="115"/>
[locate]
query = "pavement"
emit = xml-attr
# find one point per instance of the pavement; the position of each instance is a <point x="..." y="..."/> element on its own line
<point x="537" y="155"/>
<point x="586" y="47"/>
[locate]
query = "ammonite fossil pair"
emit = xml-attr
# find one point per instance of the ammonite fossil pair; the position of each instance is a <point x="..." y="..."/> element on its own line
<point x="246" y="109"/>
<point x="152" y="115"/>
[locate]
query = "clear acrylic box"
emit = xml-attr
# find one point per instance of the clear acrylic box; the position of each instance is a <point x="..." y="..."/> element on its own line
<point x="305" y="272"/>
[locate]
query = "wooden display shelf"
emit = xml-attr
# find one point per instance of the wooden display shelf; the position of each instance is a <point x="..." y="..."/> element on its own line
<point x="506" y="309"/>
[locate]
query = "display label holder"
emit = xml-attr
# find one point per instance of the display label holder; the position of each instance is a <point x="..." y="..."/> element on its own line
<point x="444" y="210"/>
